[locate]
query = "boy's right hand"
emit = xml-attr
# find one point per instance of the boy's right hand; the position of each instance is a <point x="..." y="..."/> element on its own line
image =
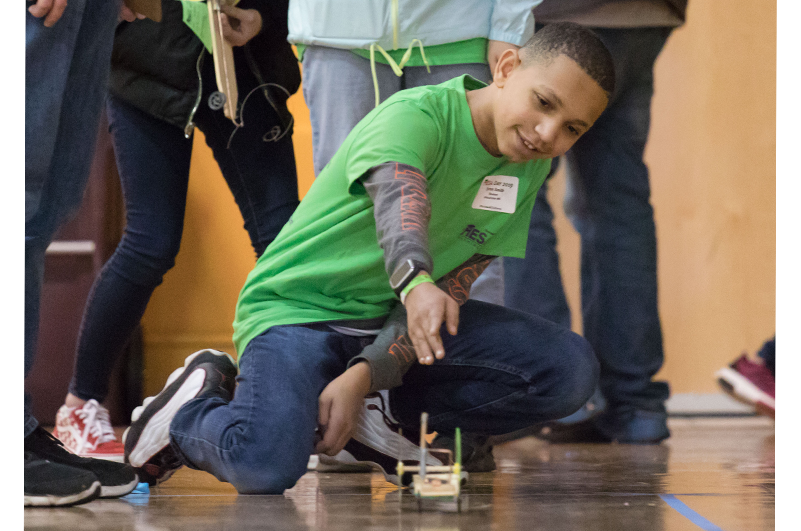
<point x="427" y="307"/>
<point x="339" y="406"/>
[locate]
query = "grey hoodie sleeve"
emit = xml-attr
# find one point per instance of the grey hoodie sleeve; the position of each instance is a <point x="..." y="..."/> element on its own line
<point x="392" y="352"/>
<point x="402" y="212"/>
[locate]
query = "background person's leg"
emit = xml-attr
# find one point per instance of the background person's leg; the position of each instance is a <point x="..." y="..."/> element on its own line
<point x="153" y="162"/>
<point x="338" y="89"/>
<point x="71" y="58"/>
<point x="611" y="210"/>
<point x="259" y="171"/>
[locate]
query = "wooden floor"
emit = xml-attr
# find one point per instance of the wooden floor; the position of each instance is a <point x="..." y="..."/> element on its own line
<point x="714" y="474"/>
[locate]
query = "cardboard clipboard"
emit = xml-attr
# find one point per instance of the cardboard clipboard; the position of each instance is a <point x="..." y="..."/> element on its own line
<point x="149" y="8"/>
<point x="223" y="60"/>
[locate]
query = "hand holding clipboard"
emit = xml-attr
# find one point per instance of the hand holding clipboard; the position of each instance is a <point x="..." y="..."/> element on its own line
<point x="224" y="20"/>
<point x="230" y="26"/>
<point x="223" y="58"/>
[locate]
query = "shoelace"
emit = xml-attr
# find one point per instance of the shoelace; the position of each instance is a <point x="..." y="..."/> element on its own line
<point x="97" y="423"/>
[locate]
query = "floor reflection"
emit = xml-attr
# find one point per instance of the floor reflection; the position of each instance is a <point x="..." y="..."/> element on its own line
<point x="719" y="471"/>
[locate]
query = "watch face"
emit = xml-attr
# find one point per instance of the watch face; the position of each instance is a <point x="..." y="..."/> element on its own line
<point x="401" y="274"/>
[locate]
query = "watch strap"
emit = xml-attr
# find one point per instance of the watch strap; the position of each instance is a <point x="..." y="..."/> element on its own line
<point x="416" y="281"/>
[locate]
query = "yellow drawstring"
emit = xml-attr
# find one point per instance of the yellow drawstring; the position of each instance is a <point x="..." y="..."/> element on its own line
<point x="397" y="68"/>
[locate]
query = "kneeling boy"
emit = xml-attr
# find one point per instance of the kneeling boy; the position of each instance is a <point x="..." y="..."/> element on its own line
<point x="372" y="273"/>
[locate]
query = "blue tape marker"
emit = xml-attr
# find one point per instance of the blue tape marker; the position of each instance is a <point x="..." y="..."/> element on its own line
<point x="140" y="495"/>
<point x="688" y="513"/>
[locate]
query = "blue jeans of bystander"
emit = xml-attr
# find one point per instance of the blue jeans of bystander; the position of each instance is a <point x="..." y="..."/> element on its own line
<point x="608" y="202"/>
<point x="66" y="71"/>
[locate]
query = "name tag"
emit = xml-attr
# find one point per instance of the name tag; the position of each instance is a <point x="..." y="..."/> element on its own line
<point x="497" y="193"/>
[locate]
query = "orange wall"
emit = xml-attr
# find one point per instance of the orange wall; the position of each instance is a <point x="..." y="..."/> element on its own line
<point x="712" y="159"/>
<point x="713" y="154"/>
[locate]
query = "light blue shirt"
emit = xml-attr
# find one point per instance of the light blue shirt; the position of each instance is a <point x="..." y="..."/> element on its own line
<point x="393" y="24"/>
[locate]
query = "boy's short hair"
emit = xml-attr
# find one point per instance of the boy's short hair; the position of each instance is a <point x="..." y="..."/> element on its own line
<point x="579" y="44"/>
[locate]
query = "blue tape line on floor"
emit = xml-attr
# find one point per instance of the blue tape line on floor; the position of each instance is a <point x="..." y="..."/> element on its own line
<point x="688" y="513"/>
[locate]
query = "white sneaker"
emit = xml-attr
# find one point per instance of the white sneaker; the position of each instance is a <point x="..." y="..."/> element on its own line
<point x="377" y="442"/>
<point x="205" y="373"/>
<point x="87" y="431"/>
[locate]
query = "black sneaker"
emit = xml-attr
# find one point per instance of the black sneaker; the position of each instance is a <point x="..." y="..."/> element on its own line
<point x="623" y="425"/>
<point x="585" y="431"/>
<point x="476" y="451"/>
<point x="116" y="479"/>
<point x="377" y="442"/>
<point x="147" y="442"/>
<point x="49" y="484"/>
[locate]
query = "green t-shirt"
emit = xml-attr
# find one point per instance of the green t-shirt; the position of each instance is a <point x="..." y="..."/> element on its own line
<point x="326" y="265"/>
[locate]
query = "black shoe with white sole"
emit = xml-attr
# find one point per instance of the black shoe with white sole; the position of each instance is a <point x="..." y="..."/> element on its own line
<point x="49" y="484"/>
<point x="205" y="373"/>
<point x="116" y="479"/>
<point x="377" y="441"/>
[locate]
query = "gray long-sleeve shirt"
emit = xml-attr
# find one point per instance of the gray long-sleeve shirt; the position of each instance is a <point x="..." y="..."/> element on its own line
<point x="402" y="212"/>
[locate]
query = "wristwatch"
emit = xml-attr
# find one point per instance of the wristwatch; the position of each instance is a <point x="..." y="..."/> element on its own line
<point x="404" y="274"/>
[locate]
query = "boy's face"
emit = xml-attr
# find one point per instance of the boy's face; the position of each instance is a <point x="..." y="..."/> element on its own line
<point x="543" y="107"/>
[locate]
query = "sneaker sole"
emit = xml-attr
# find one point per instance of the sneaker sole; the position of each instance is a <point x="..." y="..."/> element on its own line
<point x="85" y="496"/>
<point x="115" y="491"/>
<point x="741" y="389"/>
<point x="117" y="458"/>
<point x="342" y="462"/>
<point x="150" y="432"/>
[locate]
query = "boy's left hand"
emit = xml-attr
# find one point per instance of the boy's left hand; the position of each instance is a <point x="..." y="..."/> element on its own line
<point x="340" y="404"/>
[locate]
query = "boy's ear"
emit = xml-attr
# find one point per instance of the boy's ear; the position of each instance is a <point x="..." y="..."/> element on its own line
<point x="507" y="62"/>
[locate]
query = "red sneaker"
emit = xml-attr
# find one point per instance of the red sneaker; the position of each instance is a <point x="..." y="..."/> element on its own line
<point x="87" y="431"/>
<point x="751" y="383"/>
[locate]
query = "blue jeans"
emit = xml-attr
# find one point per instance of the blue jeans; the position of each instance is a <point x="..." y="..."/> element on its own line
<point x="153" y="161"/>
<point x="608" y="202"/>
<point x="66" y="71"/>
<point x="338" y="89"/>
<point x="505" y="370"/>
